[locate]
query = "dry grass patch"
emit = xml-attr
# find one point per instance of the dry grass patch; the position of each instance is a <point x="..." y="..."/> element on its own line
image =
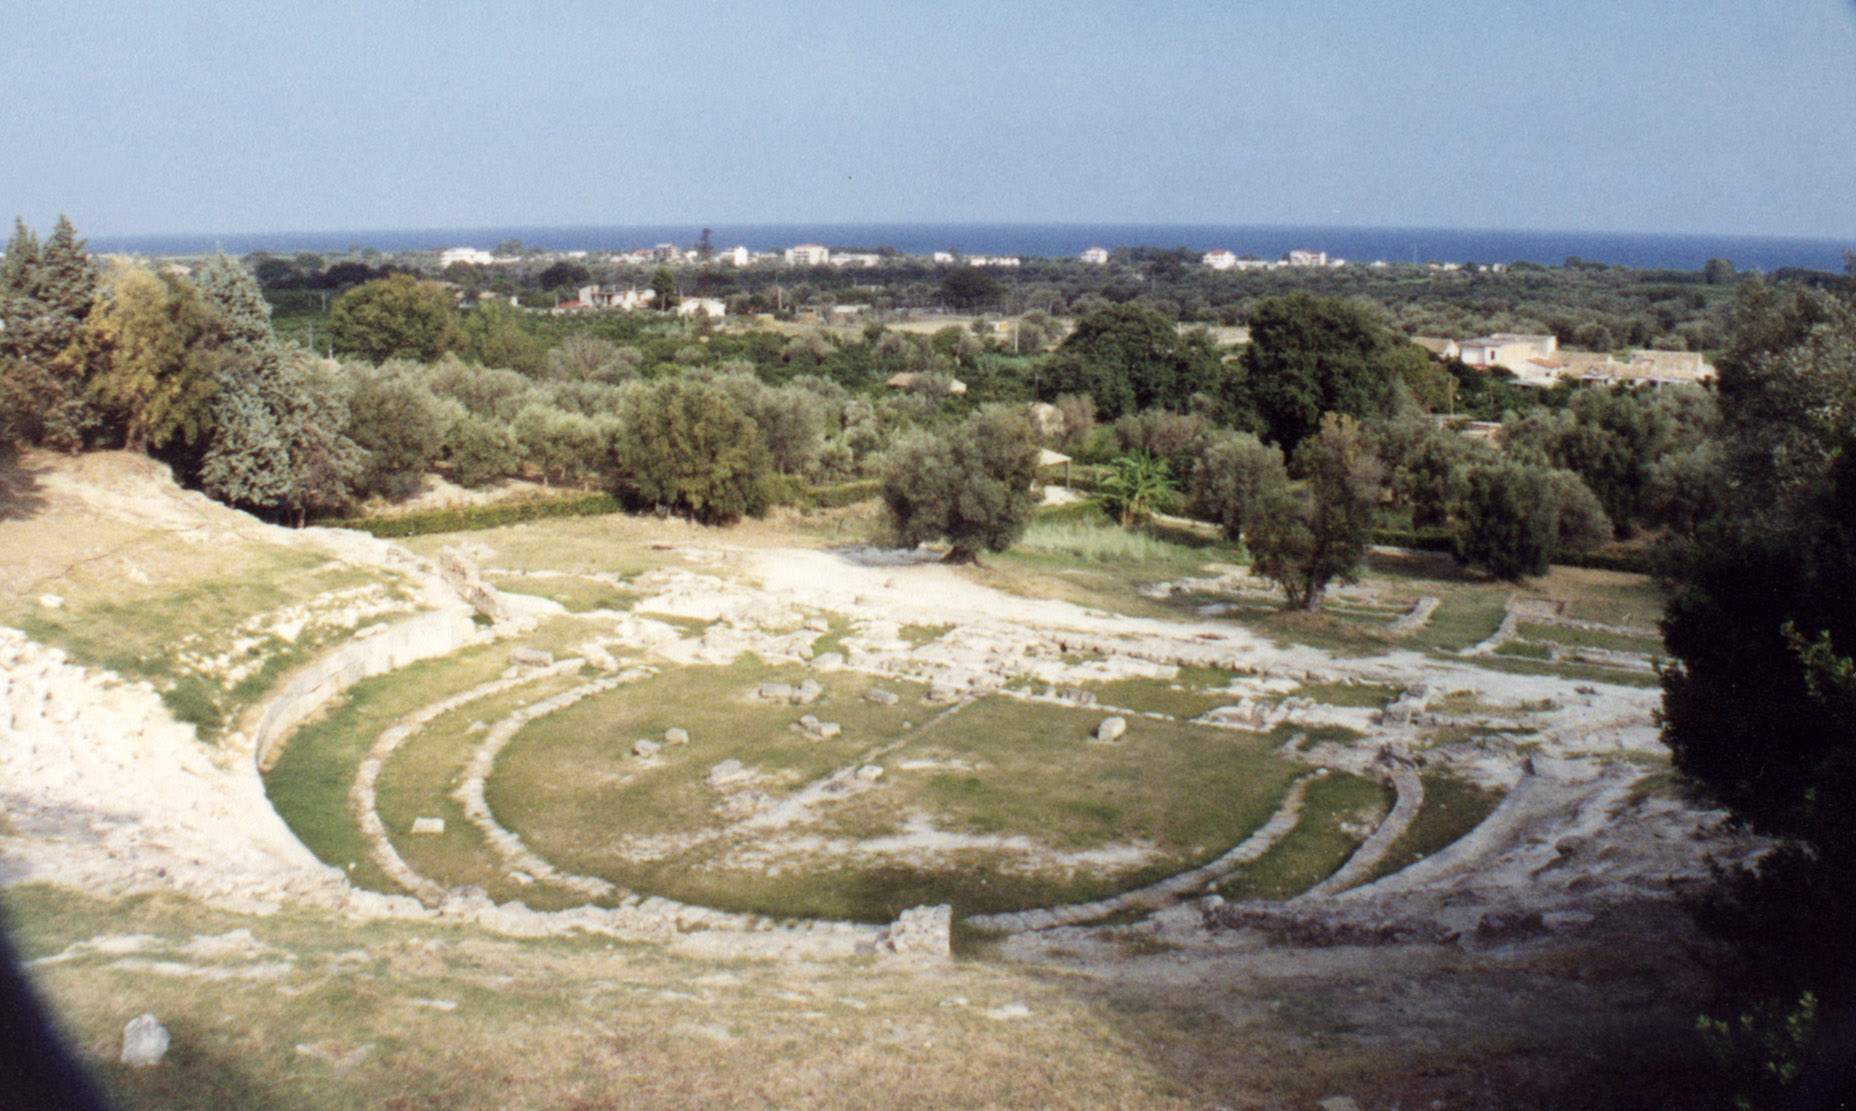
<point x="409" y="1015"/>
<point x="1196" y="690"/>
<point x="1339" y="811"/>
<point x="978" y="807"/>
<point x="1452" y="807"/>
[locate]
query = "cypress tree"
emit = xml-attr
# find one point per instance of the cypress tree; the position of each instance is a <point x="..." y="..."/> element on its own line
<point x="46" y="294"/>
<point x="235" y="296"/>
<point x="249" y="463"/>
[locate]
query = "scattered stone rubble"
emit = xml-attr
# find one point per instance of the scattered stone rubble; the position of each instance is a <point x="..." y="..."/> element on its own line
<point x="922" y="932"/>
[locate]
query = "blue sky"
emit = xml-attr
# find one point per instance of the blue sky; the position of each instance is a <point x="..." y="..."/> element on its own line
<point x="1625" y="115"/>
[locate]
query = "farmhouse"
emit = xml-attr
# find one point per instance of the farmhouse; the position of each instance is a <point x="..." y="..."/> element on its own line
<point x="909" y="381"/>
<point x="808" y="254"/>
<point x="1651" y="368"/>
<point x="1096" y="256"/>
<point x="1440" y="347"/>
<point x="1219" y="260"/>
<point x="1506" y="349"/>
<point x="598" y="297"/>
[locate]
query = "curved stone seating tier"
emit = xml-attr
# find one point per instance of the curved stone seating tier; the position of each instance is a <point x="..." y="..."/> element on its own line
<point x="1169" y="890"/>
<point x="517" y="856"/>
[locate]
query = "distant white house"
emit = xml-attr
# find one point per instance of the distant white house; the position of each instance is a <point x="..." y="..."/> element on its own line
<point x="944" y="256"/>
<point x="598" y="297"/>
<point x="735" y="256"/>
<point x="856" y="260"/>
<point x="1219" y="260"/>
<point x="1096" y="256"/>
<point x="808" y="254"/>
<point x="706" y="306"/>
<point x="1306" y="258"/>
<point x="1650" y="367"/>
<point x="993" y="260"/>
<point x="907" y="380"/>
<point x="1505" y="349"/>
<point x="471" y="255"/>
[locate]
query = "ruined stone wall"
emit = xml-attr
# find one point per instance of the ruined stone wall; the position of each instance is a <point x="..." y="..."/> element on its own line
<point x="437" y="633"/>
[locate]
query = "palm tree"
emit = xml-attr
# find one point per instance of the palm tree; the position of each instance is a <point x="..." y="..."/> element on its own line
<point x="1138" y="485"/>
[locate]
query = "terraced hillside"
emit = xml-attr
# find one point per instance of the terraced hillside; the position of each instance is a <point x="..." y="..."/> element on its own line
<point x="664" y="773"/>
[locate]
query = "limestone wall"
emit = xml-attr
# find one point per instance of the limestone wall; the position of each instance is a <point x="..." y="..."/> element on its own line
<point x="437" y="633"/>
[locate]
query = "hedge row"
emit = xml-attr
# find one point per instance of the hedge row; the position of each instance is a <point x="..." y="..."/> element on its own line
<point x="1090" y="512"/>
<point x="480" y="516"/>
<point x="844" y="493"/>
<point x="1426" y="540"/>
<point x="1634" y="560"/>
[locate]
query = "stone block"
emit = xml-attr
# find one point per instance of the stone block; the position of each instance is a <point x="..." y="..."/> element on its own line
<point x="728" y="773"/>
<point x="676" y="736"/>
<point x="881" y="697"/>
<point x="922" y="932"/>
<point x="644" y="749"/>
<point x="428" y="825"/>
<point x="1111" y="730"/>
<point x="144" y="1041"/>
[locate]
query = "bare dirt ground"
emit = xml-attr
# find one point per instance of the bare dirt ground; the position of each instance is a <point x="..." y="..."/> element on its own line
<point x="1543" y="961"/>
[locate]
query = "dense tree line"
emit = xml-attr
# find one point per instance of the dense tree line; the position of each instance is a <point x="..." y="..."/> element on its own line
<point x="1760" y="706"/>
<point x="191" y="368"/>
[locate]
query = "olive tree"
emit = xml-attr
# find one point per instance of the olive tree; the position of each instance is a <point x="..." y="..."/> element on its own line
<point x="969" y="484"/>
<point x="1513" y="520"/>
<point x="1307" y="537"/>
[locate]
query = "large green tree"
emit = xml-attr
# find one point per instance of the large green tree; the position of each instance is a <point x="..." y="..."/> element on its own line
<point x="1128" y="358"/>
<point x="1760" y="706"/>
<point x="278" y="443"/>
<point x="1513" y="520"/>
<point x="686" y="446"/>
<point x="396" y="317"/>
<point x="969" y="485"/>
<point x="1311" y="355"/>
<point x="155" y="348"/>
<point x="1317" y="534"/>
<point x="1237" y="481"/>
<point x="399" y="423"/>
<point x="492" y="334"/>
<point x="1609" y="438"/>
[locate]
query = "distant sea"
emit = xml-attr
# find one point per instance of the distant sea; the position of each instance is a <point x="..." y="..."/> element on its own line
<point x="1675" y="252"/>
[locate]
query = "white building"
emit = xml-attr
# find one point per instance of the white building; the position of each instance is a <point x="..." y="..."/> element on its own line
<point x="1097" y="256"/>
<point x="808" y="254"/>
<point x="861" y="261"/>
<point x="735" y="256"/>
<point x="707" y="306"/>
<point x="465" y="254"/>
<point x="944" y="256"/>
<point x="1219" y="260"/>
<point x="596" y="297"/>
<point x="1506" y="350"/>
<point x="1306" y="258"/>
